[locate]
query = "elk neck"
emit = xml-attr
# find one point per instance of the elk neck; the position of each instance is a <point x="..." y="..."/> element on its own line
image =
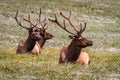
<point x="30" y="43"/>
<point x="41" y="42"/>
<point x="73" y="51"/>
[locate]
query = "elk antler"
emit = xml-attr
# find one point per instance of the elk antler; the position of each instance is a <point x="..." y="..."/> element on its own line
<point x="69" y="19"/>
<point x="81" y="30"/>
<point x="29" y="21"/>
<point x="62" y="26"/>
<point x="75" y="27"/>
<point x="19" y="22"/>
<point x="44" y="22"/>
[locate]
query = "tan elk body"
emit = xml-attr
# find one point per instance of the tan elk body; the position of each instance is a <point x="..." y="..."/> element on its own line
<point x="72" y="53"/>
<point x="37" y="35"/>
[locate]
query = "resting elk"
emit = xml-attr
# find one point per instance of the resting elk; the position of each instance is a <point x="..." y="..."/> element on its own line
<point x="37" y="35"/>
<point x="72" y="53"/>
<point x="45" y="35"/>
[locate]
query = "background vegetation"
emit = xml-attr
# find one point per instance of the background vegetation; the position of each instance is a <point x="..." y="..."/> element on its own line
<point x="103" y="28"/>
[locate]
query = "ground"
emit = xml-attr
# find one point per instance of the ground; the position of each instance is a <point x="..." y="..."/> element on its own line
<point x="103" y="28"/>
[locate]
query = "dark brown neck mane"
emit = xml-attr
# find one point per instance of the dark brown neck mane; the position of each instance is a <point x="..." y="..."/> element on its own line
<point x="73" y="51"/>
<point x="29" y="44"/>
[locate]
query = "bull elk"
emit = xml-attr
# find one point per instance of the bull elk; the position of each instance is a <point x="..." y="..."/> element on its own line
<point x="37" y="35"/>
<point x="45" y="35"/>
<point x="72" y="53"/>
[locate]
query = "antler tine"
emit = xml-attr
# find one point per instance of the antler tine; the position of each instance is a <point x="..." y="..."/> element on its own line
<point x="44" y="22"/>
<point x="70" y="14"/>
<point x="39" y="15"/>
<point x="82" y="29"/>
<point x="69" y="20"/>
<point x="78" y="22"/>
<point x="29" y="20"/>
<point x="19" y="22"/>
<point x="45" y="27"/>
<point x="62" y="26"/>
<point x="55" y="20"/>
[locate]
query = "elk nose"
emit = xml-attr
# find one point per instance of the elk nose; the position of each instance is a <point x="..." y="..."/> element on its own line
<point x="51" y="36"/>
<point x="90" y="43"/>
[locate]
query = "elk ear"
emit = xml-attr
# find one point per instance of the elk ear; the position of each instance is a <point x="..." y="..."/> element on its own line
<point x="72" y="37"/>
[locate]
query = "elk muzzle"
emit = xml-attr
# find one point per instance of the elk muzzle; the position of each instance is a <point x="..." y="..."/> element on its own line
<point x="89" y="43"/>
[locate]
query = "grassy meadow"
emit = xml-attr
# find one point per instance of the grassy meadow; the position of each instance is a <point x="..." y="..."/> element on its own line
<point x="103" y="28"/>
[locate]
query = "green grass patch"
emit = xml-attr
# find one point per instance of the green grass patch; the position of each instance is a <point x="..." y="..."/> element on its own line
<point x="103" y="28"/>
<point x="46" y="67"/>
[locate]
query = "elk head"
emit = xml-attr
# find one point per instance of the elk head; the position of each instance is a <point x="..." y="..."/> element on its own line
<point x="77" y="36"/>
<point x="33" y="30"/>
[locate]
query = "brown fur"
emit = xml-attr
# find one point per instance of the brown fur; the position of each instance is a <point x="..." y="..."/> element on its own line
<point x="83" y="58"/>
<point x="37" y="49"/>
<point x="22" y="47"/>
<point x="31" y="43"/>
<point x="36" y="45"/>
<point x="37" y="35"/>
<point x="72" y="53"/>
